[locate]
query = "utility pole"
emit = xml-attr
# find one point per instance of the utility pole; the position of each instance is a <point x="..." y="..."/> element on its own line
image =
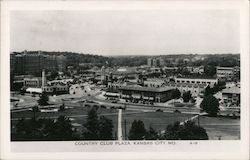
<point x="119" y="132"/>
<point x="125" y="135"/>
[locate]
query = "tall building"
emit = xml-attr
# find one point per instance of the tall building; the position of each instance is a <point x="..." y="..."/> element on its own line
<point x="61" y="62"/>
<point x="35" y="62"/>
<point x="156" y="62"/>
<point x="150" y="62"/>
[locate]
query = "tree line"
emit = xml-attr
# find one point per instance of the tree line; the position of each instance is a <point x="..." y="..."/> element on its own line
<point x="98" y="128"/>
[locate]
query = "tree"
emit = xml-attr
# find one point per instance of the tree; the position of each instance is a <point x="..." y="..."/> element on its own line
<point x="210" y="105"/>
<point x="176" y="94"/>
<point x="137" y="130"/>
<point x="172" y="131"/>
<point x="210" y="70"/>
<point x="43" y="100"/>
<point x="151" y="134"/>
<point x="105" y="128"/>
<point x="188" y="131"/>
<point x="63" y="129"/>
<point x="208" y="91"/>
<point x="92" y="126"/>
<point x="44" y="129"/>
<point x="97" y="128"/>
<point x="34" y="110"/>
<point x="186" y="96"/>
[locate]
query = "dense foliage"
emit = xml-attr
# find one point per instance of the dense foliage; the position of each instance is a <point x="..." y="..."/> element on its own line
<point x="43" y="100"/>
<point x="97" y="128"/>
<point x="176" y="94"/>
<point x="210" y="104"/>
<point x="187" y="131"/>
<point x="43" y="129"/>
<point x="187" y="96"/>
<point x="137" y="130"/>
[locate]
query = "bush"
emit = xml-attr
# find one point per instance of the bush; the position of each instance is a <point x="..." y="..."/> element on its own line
<point x="186" y="96"/>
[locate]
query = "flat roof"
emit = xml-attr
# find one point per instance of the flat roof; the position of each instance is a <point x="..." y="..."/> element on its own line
<point x="149" y="89"/>
<point x="194" y="78"/>
<point x="232" y="90"/>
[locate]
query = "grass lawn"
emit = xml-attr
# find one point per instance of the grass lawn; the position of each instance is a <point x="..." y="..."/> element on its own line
<point x="228" y="129"/>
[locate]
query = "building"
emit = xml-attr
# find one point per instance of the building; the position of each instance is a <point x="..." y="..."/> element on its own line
<point x="61" y="81"/>
<point x="228" y="73"/>
<point x="206" y="81"/>
<point x="156" y="62"/>
<point x="154" y="83"/>
<point x="194" y="88"/>
<point x="231" y="96"/>
<point x="35" y="62"/>
<point x="35" y="82"/>
<point x="56" y="89"/>
<point x="61" y="62"/>
<point x="150" y="62"/>
<point x="225" y="73"/>
<point x="136" y="93"/>
<point x="39" y="85"/>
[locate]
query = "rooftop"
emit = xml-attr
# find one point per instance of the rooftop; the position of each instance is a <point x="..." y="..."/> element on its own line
<point x="232" y="90"/>
<point x="210" y="78"/>
<point x="150" y="89"/>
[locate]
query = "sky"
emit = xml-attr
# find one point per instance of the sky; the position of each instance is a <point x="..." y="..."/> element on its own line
<point x="143" y="32"/>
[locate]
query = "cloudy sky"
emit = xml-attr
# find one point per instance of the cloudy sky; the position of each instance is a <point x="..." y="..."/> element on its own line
<point x="126" y="32"/>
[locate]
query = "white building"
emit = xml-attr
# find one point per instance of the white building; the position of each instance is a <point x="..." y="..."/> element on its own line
<point x="225" y="73"/>
<point x="231" y="96"/>
<point x="209" y="82"/>
<point x="194" y="88"/>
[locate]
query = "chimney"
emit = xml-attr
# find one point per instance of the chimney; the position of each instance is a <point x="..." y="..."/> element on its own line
<point x="43" y="78"/>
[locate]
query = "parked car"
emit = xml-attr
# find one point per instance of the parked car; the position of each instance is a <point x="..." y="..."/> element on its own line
<point x="114" y="101"/>
<point x="102" y="106"/>
<point x="177" y="111"/>
<point x="159" y="110"/>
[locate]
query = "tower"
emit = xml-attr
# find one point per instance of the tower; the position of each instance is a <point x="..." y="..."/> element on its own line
<point x="43" y="78"/>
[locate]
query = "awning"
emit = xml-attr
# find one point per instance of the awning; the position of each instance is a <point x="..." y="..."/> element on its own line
<point x="34" y="90"/>
<point x="136" y="97"/>
<point x="109" y="94"/>
<point x="125" y="96"/>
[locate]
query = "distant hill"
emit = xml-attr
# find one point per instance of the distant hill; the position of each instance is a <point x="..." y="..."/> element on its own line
<point x="74" y="59"/>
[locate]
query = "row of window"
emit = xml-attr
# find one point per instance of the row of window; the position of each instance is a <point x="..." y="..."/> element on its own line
<point x="198" y="82"/>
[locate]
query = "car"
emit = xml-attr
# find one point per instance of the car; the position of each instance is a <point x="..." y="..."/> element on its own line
<point x="102" y="106"/>
<point x="86" y="105"/>
<point x="159" y="110"/>
<point x="121" y="107"/>
<point x="177" y="111"/>
<point x="89" y="101"/>
<point x="114" y="101"/>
